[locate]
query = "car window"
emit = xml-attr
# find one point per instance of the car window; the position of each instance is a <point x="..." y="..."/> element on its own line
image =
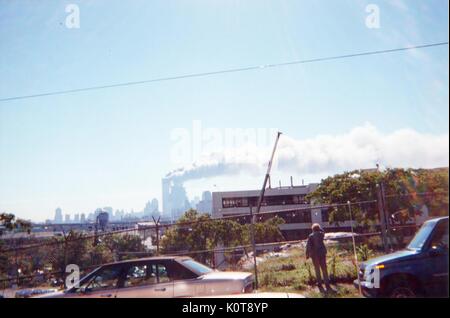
<point x="179" y="272"/>
<point x="162" y="272"/>
<point x="140" y="275"/>
<point x="440" y="236"/>
<point x="197" y="267"/>
<point x="105" y="279"/>
<point x="421" y="236"/>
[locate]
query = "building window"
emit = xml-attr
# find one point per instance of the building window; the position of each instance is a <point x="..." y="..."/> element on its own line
<point x="299" y="216"/>
<point x="273" y="200"/>
<point x="325" y="214"/>
<point x="234" y="202"/>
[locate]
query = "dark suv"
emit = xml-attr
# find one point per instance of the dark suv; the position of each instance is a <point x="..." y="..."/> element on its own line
<point x="420" y="270"/>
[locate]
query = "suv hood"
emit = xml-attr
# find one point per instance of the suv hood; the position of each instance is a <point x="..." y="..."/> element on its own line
<point x="227" y="275"/>
<point x="392" y="257"/>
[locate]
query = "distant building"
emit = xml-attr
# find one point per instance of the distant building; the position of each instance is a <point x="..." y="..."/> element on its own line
<point x="175" y="201"/>
<point x="205" y="204"/>
<point x="119" y="215"/>
<point x="109" y="210"/>
<point x="83" y="218"/>
<point x="58" y="216"/>
<point x="67" y="218"/>
<point x="102" y="219"/>
<point x="76" y="218"/>
<point x="166" y="204"/>
<point x="151" y="208"/>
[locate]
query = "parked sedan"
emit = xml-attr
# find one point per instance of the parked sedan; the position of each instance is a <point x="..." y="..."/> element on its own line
<point x="158" y="277"/>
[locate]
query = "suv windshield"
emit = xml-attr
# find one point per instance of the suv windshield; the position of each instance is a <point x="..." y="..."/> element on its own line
<point x="420" y="238"/>
<point x="197" y="267"/>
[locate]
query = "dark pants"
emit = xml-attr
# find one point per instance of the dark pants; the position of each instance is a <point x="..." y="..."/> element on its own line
<point x="320" y="263"/>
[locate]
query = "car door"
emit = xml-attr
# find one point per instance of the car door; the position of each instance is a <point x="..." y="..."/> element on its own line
<point x="103" y="284"/>
<point x="148" y="279"/>
<point x="437" y="259"/>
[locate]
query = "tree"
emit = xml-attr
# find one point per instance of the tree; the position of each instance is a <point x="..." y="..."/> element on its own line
<point x="121" y="243"/>
<point x="268" y="231"/>
<point x="10" y="222"/>
<point x="404" y="196"/>
<point x="199" y="232"/>
<point x="70" y="249"/>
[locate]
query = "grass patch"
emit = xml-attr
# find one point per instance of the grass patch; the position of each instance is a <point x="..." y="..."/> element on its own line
<point x="296" y="274"/>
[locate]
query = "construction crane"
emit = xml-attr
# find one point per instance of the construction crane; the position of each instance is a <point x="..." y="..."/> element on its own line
<point x="258" y="208"/>
<point x="267" y="177"/>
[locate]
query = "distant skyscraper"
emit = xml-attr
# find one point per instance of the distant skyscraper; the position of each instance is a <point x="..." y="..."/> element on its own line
<point x="166" y="206"/>
<point x="67" y="218"/>
<point x="205" y="205"/>
<point x="76" y="218"/>
<point x="58" y="216"/>
<point x="83" y="218"/>
<point x="151" y="208"/>
<point x="110" y="211"/>
<point x="178" y="200"/>
<point x="118" y="215"/>
<point x="206" y="196"/>
<point x="154" y="206"/>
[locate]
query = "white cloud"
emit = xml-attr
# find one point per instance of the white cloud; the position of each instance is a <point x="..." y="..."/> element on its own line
<point x="361" y="147"/>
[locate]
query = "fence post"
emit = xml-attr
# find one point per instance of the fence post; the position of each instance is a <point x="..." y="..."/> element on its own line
<point x="252" y="234"/>
<point x="354" y="246"/>
<point x="16" y="260"/>
<point x="386" y="217"/>
<point x="157" y="233"/>
<point x="382" y="214"/>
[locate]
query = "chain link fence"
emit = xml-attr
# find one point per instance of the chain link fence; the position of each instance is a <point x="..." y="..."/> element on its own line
<point x="238" y="242"/>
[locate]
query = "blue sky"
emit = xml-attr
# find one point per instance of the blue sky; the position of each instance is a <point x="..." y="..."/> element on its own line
<point x="111" y="147"/>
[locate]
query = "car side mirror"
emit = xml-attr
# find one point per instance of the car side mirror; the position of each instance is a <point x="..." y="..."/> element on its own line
<point x="84" y="290"/>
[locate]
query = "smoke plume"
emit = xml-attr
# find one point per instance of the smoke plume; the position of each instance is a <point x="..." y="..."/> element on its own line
<point x="362" y="147"/>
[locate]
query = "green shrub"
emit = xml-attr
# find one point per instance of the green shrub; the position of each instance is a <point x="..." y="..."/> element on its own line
<point x="364" y="252"/>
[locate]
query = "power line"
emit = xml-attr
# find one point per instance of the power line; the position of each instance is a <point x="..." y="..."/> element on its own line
<point x="212" y="73"/>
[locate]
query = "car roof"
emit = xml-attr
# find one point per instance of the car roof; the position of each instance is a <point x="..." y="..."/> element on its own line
<point x="143" y="259"/>
<point x="438" y="219"/>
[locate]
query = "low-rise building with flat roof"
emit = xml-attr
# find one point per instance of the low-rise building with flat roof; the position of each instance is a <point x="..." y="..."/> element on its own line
<point x="299" y="215"/>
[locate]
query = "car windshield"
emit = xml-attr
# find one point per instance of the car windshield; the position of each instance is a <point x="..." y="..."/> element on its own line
<point x="197" y="267"/>
<point x="420" y="238"/>
<point x="83" y="281"/>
